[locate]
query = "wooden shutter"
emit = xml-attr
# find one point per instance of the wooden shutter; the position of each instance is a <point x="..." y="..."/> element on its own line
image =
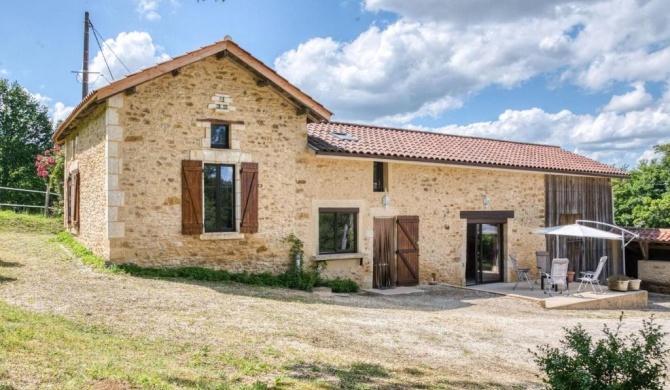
<point x="68" y="205"/>
<point x="407" y="236"/>
<point x="191" y="197"/>
<point x="249" y="178"/>
<point x="75" y="216"/>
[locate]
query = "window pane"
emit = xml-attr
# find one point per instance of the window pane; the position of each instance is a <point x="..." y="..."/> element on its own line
<point x="378" y="176"/>
<point x="220" y="135"/>
<point x="326" y="232"/>
<point x="337" y="231"/>
<point x="345" y="232"/>
<point x="219" y="194"/>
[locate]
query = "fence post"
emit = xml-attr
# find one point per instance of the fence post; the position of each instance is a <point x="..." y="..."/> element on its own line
<point x="46" y="201"/>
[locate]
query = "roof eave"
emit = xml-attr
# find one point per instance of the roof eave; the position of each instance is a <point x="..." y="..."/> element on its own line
<point x="345" y="154"/>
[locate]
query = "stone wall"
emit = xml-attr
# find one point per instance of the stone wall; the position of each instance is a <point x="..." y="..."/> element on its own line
<point x="437" y="194"/>
<point x="654" y="271"/>
<point x="167" y="121"/>
<point x="85" y="151"/>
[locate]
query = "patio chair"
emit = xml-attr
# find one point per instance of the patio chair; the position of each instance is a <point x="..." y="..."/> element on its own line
<point x="521" y="273"/>
<point x="592" y="277"/>
<point x="558" y="275"/>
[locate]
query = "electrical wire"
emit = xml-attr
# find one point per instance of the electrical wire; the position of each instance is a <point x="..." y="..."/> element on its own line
<point x="97" y="34"/>
<point x="102" y="52"/>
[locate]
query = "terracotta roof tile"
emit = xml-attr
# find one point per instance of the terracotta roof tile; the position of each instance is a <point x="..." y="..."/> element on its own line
<point x="651" y="234"/>
<point x="450" y="149"/>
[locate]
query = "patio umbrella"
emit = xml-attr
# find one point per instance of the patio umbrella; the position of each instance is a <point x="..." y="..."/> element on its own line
<point x="579" y="230"/>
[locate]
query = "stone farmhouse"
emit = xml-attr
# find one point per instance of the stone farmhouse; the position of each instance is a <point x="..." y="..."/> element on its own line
<point x="211" y="159"/>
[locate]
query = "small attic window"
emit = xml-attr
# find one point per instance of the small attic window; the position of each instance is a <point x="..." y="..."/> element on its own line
<point x="344" y="136"/>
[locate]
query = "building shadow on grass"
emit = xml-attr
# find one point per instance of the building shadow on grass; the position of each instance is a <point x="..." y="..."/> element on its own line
<point x="4" y="279"/>
<point x="9" y="264"/>
<point x="372" y="376"/>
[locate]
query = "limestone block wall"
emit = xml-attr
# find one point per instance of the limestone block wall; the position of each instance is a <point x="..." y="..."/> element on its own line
<point x="437" y="194"/>
<point x="85" y="151"/>
<point x="166" y="121"/>
<point x="654" y="271"/>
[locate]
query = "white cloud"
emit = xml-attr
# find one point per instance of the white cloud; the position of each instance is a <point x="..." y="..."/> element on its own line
<point x="4" y="72"/>
<point x="148" y="9"/>
<point x="634" y="100"/>
<point x="57" y="112"/>
<point x="60" y="111"/>
<point x="448" y="50"/>
<point x="135" y="49"/>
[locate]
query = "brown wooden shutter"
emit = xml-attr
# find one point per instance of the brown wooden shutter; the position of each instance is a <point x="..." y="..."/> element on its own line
<point x="407" y="236"/>
<point x="249" y="178"/>
<point x="68" y="205"/>
<point x="75" y="217"/>
<point x="191" y="197"/>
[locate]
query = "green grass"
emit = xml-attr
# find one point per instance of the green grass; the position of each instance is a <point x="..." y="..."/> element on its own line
<point x="24" y="222"/>
<point x="50" y="350"/>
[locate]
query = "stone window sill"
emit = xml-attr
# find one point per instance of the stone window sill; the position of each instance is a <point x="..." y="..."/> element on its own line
<point x="222" y="236"/>
<point x="340" y="256"/>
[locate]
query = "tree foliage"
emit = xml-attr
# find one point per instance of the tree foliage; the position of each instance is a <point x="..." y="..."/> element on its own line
<point x="643" y="200"/>
<point x="25" y="131"/>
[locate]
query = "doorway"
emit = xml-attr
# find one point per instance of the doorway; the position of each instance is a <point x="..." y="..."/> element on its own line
<point x="485" y="253"/>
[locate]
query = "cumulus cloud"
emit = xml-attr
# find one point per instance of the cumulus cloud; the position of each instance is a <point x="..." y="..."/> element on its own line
<point x="135" y="49"/>
<point x="57" y="111"/>
<point x="634" y="100"/>
<point x="449" y="50"/>
<point x="148" y="9"/>
<point x="4" y="72"/>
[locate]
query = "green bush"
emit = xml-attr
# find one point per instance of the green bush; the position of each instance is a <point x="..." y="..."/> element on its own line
<point x="341" y="285"/>
<point x="614" y="362"/>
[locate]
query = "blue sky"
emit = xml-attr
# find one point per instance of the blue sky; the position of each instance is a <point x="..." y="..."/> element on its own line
<point x="589" y="75"/>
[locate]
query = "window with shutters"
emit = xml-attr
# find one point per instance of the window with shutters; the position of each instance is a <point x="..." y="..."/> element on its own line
<point x="219" y="189"/>
<point x="338" y="230"/>
<point x="219" y="198"/>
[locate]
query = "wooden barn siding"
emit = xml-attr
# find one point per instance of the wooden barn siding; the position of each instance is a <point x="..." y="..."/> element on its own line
<point x="589" y="197"/>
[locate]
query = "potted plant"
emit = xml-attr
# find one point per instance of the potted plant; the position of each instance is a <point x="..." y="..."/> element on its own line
<point x="634" y="284"/>
<point x="618" y="282"/>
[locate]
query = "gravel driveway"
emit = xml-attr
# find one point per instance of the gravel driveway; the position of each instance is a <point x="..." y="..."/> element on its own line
<point x="450" y="336"/>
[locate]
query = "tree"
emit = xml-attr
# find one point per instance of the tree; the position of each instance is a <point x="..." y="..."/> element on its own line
<point x="643" y="200"/>
<point x="25" y="131"/>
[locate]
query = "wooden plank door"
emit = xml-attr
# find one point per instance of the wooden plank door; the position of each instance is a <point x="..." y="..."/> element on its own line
<point x="407" y="241"/>
<point x="384" y="268"/>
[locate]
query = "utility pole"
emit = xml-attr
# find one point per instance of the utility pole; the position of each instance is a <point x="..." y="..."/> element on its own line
<point x="84" y="76"/>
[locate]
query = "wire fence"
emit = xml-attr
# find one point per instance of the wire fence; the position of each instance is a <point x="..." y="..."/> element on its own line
<point x="47" y="197"/>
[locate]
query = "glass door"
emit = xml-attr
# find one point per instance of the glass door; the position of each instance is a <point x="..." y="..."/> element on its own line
<point x="484" y="263"/>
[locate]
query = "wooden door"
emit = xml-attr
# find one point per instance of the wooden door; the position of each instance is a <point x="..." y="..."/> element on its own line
<point x="384" y="268"/>
<point x="407" y="241"/>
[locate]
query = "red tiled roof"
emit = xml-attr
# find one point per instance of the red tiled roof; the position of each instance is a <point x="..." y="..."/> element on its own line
<point x="369" y="141"/>
<point x="651" y="234"/>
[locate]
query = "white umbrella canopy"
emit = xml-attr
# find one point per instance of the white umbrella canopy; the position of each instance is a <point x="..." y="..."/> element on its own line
<point x="577" y="230"/>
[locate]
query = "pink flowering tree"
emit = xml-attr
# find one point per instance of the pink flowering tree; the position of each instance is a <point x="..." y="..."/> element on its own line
<point x="50" y="166"/>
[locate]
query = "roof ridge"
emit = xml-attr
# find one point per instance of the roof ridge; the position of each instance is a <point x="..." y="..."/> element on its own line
<point x="434" y="132"/>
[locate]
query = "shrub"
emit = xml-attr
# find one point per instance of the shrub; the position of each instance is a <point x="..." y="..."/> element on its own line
<point x="614" y="362"/>
<point x="341" y="285"/>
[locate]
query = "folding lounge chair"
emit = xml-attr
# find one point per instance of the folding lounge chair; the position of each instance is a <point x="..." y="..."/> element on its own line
<point x="592" y="277"/>
<point x="558" y="275"/>
<point x="521" y="273"/>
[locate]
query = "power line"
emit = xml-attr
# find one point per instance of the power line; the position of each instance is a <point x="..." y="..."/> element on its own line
<point x="98" y="35"/>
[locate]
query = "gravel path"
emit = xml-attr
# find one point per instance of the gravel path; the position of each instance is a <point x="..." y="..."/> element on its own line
<point x="456" y="337"/>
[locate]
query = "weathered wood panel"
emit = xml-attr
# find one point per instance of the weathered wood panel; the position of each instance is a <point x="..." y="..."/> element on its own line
<point x="569" y="198"/>
<point x="408" y="250"/>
